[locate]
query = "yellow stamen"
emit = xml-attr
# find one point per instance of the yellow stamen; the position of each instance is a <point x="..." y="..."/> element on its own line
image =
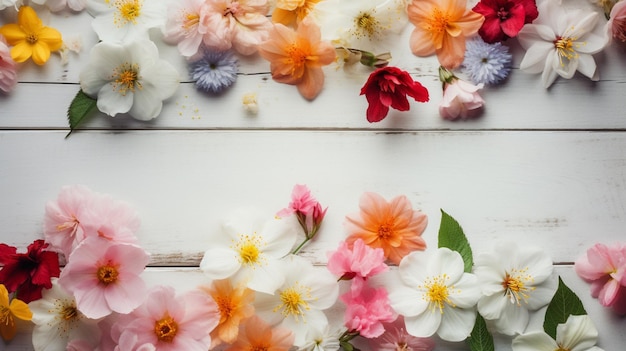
<point x="367" y="25"/>
<point x="107" y="274"/>
<point x="127" y="11"/>
<point x="126" y="78"/>
<point x="249" y="248"/>
<point x="166" y="329"/>
<point x="515" y="285"/>
<point x="437" y="22"/>
<point x="293" y="301"/>
<point x="437" y="292"/>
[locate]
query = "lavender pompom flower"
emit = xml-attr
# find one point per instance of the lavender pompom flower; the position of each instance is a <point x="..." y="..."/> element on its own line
<point x="486" y="63"/>
<point x="214" y="71"/>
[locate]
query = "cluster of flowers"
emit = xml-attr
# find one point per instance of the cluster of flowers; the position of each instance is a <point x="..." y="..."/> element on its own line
<point x="263" y="296"/>
<point x="300" y="37"/>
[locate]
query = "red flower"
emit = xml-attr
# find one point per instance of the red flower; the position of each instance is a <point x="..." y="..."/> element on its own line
<point x="504" y="18"/>
<point x="28" y="273"/>
<point x="389" y="86"/>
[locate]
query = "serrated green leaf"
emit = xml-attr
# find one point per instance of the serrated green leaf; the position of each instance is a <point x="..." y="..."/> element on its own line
<point x="79" y="109"/>
<point x="451" y="236"/>
<point x="564" y="303"/>
<point x="480" y="339"/>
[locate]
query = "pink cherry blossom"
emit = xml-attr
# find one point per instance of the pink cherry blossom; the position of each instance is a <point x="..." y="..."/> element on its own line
<point x="362" y="260"/>
<point x="461" y="100"/>
<point x="396" y="338"/>
<point x="167" y="322"/>
<point x="616" y="26"/>
<point x="8" y="67"/>
<point x="366" y="309"/>
<point x="301" y="201"/>
<point x="103" y="276"/>
<point x="184" y="26"/>
<point x="605" y="268"/>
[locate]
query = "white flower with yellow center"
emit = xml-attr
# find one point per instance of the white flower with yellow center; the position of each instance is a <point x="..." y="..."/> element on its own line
<point x="129" y="78"/>
<point x="577" y="334"/>
<point x="126" y="20"/>
<point x="57" y="321"/>
<point x="433" y="293"/>
<point x="560" y="42"/>
<point x="298" y="304"/>
<point x="248" y="250"/>
<point x="513" y="281"/>
<point x="360" y="24"/>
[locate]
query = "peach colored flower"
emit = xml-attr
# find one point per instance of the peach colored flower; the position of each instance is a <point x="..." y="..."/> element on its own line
<point x="258" y="335"/>
<point x="393" y="226"/>
<point x="297" y="57"/>
<point x="290" y="12"/>
<point x="234" y="304"/>
<point x="441" y="27"/>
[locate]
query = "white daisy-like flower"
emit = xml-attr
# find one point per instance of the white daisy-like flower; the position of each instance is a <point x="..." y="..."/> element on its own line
<point x="321" y="339"/>
<point x="360" y="24"/>
<point x="58" y="321"/>
<point x="298" y="304"/>
<point x="560" y="42"/>
<point x="129" y="78"/>
<point x="58" y="5"/>
<point x="514" y="281"/>
<point x="577" y="334"/>
<point x="126" y="20"/>
<point x="248" y="250"/>
<point x="433" y="293"/>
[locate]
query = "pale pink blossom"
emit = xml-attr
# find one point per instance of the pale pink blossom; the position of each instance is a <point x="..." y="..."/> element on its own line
<point x="167" y="322"/>
<point x="8" y="67"/>
<point x="461" y="99"/>
<point x="238" y="24"/>
<point x="396" y="338"/>
<point x="184" y="26"/>
<point x="605" y="268"/>
<point x="361" y="261"/>
<point x="79" y="345"/>
<point x="367" y="308"/>
<point x="104" y="277"/>
<point x="616" y="26"/>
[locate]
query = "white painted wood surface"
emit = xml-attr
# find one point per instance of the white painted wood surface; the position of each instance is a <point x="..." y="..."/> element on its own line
<point x="544" y="167"/>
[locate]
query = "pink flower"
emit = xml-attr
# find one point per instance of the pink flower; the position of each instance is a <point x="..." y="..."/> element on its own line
<point x="361" y="261"/>
<point x="8" y="67"/>
<point x="79" y="213"/>
<point x="301" y="201"/>
<point x="240" y="24"/>
<point x="396" y="338"/>
<point x="460" y="98"/>
<point x="616" y="26"/>
<point x="605" y="268"/>
<point x="504" y="18"/>
<point x="166" y="322"/>
<point x="366" y="309"/>
<point x="104" y="277"/>
<point x="388" y="87"/>
<point x="184" y="26"/>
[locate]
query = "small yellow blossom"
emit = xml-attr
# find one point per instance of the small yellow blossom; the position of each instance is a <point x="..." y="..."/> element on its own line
<point x="10" y="311"/>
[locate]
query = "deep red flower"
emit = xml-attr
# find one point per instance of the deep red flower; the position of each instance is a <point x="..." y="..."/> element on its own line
<point x="28" y="273"/>
<point x="389" y="86"/>
<point x="504" y="18"/>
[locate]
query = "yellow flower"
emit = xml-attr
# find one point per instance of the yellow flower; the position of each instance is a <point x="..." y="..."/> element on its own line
<point x="29" y="37"/>
<point x="16" y="308"/>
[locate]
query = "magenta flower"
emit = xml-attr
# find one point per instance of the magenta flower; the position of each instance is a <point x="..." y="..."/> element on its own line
<point x="504" y="18"/>
<point x="104" y="277"/>
<point x="170" y="323"/>
<point x="605" y="268"/>
<point x="396" y="338"/>
<point x="362" y="261"/>
<point x="367" y="309"/>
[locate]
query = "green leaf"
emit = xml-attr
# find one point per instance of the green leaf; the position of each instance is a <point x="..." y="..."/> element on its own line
<point x="451" y="236"/>
<point x="563" y="304"/>
<point x="79" y="109"/>
<point x="480" y="339"/>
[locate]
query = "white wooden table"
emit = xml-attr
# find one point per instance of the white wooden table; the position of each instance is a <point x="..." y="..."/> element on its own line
<point x="541" y="167"/>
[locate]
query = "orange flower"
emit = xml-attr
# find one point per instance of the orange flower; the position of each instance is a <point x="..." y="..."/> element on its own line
<point x="29" y="37"/>
<point x="297" y="57"/>
<point x="235" y="305"/>
<point x="441" y="27"/>
<point x="393" y="226"/>
<point x="290" y="12"/>
<point x="258" y="335"/>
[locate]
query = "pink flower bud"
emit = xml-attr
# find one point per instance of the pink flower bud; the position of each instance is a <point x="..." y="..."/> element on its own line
<point x="461" y="99"/>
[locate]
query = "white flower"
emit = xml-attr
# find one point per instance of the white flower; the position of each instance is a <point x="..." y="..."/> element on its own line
<point x="362" y="24"/>
<point x="9" y="3"/>
<point x="513" y="281"/>
<point x="58" y="5"/>
<point x="321" y="339"/>
<point x="299" y="302"/>
<point x="560" y="41"/>
<point x="248" y="250"/>
<point x="58" y="321"/>
<point x="434" y="294"/>
<point x="126" y="20"/>
<point x="129" y="78"/>
<point x="577" y="334"/>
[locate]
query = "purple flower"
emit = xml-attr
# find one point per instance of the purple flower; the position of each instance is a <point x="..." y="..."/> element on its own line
<point x="214" y="71"/>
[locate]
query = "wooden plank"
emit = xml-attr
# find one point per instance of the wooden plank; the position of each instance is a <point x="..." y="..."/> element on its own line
<point x="560" y="190"/>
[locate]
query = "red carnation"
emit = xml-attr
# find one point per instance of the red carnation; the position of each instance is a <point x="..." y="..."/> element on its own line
<point x="28" y="273"/>
<point x="389" y="86"/>
<point x="504" y="18"/>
